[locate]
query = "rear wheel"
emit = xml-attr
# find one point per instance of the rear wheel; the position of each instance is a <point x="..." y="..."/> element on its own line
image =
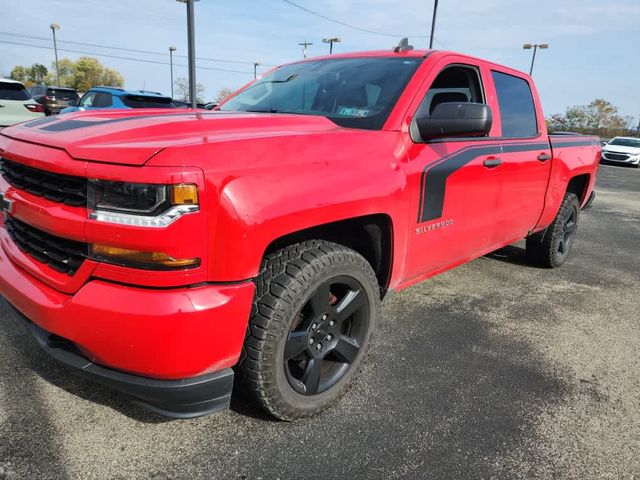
<point x="312" y="322"/>
<point x="551" y="247"/>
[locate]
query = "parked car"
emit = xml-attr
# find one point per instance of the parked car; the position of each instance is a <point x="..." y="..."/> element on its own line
<point x="622" y="150"/>
<point x="160" y="253"/>
<point x="112" y="97"/>
<point x="54" y="99"/>
<point x="16" y="105"/>
<point x="183" y="104"/>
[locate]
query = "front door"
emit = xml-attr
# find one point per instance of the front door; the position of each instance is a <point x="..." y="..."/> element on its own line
<point x="456" y="183"/>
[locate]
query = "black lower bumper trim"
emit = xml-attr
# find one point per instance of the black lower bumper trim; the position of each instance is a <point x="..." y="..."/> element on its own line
<point x="187" y="398"/>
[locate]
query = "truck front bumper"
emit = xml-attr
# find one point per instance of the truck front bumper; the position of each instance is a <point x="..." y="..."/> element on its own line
<point x="172" y="349"/>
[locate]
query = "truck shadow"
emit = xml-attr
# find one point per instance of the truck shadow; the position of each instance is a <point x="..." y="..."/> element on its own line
<point x="511" y="254"/>
<point x="21" y="399"/>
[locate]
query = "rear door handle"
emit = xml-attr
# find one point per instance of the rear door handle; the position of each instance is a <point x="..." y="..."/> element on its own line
<point x="492" y="162"/>
<point x="543" y="157"/>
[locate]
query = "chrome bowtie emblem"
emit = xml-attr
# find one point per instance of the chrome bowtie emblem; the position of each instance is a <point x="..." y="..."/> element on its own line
<point x="6" y="205"/>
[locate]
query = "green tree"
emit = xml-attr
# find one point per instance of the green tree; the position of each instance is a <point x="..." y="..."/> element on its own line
<point x="19" y="73"/>
<point x="37" y="73"/>
<point x="599" y="117"/>
<point x="83" y="74"/>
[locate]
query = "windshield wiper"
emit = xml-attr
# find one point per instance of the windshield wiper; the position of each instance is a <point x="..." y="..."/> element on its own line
<point x="273" y="110"/>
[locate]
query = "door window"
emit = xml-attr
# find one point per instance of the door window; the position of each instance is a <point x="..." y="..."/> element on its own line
<point x="517" y="110"/>
<point x="87" y="99"/>
<point x="102" y="100"/>
<point x="456" y="83"/>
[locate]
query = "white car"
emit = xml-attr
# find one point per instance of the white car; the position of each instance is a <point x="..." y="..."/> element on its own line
<point x="16" y="104"/>
<point x="623" y="150"/>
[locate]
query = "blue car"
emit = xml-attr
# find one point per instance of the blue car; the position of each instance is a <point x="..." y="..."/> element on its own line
<point x="112" y="97"/>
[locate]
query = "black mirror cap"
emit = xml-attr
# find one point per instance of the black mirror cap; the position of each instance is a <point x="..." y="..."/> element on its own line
<point x="455" y="119"/>
<point x="73" y="103"/>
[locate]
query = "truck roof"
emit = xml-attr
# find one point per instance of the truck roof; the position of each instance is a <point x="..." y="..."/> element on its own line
<point x="390" y="53"/>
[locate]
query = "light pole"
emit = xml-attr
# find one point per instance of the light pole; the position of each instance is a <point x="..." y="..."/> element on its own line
<point x="255" y="69"/>
<point x="191" y="41"/>
<point x="535" y="46"/>
<point x="304" y="46"/>
<point x="433" y="23"/>
<point x="331" y="41"/>
<point x="171" y="50"/>
<point x="54" y="27"/>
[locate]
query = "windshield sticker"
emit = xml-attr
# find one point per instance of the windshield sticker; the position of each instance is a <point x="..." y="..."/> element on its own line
<point x="353" y="112"/>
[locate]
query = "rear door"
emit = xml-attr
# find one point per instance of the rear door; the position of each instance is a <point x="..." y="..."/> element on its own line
<point x="526" y="157"/>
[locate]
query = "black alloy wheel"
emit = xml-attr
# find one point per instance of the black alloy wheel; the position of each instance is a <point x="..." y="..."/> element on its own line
<point x="326" y="337"/>
<point x="311" y="325"/>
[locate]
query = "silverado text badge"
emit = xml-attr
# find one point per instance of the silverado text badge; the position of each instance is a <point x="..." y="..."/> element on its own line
<point x="433" y="226"/>
<point x="6" y="205"/>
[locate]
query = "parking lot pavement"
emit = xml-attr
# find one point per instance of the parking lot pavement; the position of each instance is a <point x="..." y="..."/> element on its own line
<point x="493" y="370"/>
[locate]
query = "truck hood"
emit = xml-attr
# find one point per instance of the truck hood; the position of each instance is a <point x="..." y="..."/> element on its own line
<point x="132" y="137"/>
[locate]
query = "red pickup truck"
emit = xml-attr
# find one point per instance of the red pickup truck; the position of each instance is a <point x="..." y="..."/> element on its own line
<point x="162" y="252"/>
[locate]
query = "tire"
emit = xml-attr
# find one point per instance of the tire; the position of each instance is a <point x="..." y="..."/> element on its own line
<point x="550" y="248"/>
<point x="312" y="321"/>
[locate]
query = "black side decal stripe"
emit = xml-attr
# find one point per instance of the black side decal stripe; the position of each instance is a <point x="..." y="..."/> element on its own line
<point x="434" y="176"/>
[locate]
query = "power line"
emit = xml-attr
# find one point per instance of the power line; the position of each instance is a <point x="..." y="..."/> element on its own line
<point x="344" y="24"/>
<point x="124" y="58"/>
<point x="111" y="47"/>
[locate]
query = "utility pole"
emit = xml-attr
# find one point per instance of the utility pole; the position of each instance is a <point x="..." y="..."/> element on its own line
<point x="535" y="47"/>
<point x="171" y="50"/>
<point x="54" y="27"/>
<point x="331" y="41"/>
<point x="433" y="23"/>
<point x="304" y="46"/>
<point x="191" y="41"/>
<point x="255" y="69"/>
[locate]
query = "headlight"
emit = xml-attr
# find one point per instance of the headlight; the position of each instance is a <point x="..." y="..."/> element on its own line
<point x="140" y="204"/>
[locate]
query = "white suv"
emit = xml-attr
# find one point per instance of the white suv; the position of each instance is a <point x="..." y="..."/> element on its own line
<point x="16" y="104"/>
<point x="622" y="150"/>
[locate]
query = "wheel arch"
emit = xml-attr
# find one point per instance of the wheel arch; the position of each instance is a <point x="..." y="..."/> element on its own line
<point x="579" y="185"/>
<point x="369" y="235"/>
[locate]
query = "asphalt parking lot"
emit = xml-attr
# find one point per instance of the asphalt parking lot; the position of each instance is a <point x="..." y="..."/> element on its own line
<point x="493" y="370"/>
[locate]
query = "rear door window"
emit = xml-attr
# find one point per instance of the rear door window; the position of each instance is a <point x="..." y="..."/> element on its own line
<point x="13" y="91"/>
<point x="517" y="109"/>
<point x="62" y="93"/>
<point x="143" y="101"/>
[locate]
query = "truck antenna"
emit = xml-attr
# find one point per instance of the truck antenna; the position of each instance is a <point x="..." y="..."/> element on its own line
<point x="403" y="46"/>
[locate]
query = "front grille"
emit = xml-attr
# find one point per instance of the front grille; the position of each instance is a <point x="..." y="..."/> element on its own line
<point x="61" y="254"/>
<point x="616" y="156"/>
<point x="56" y="187"/>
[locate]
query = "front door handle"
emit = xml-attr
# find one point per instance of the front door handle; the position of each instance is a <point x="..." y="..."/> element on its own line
<point x="492" y="162"/>
<point x="543" y="157"/>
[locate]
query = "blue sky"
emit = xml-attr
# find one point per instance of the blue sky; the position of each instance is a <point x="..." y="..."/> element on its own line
<point x="594" y="44"/>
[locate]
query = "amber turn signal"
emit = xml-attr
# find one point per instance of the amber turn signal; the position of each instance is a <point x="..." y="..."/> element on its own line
<point x="184" y="194"/>
<point x="140" y="259"/>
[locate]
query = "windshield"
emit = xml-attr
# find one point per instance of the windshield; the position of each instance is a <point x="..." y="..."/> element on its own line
<point x="352" y="92"/>
<point x="626" y="142"/>
<point x="13" y="91"/>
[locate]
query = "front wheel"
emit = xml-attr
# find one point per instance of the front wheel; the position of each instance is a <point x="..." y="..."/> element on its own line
<point x="551" y="247"/>
<point x="312" y="321"/>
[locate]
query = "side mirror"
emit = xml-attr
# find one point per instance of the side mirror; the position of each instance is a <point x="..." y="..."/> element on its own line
<point x="456" y="120"/>
<point x="73" y="103"/>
